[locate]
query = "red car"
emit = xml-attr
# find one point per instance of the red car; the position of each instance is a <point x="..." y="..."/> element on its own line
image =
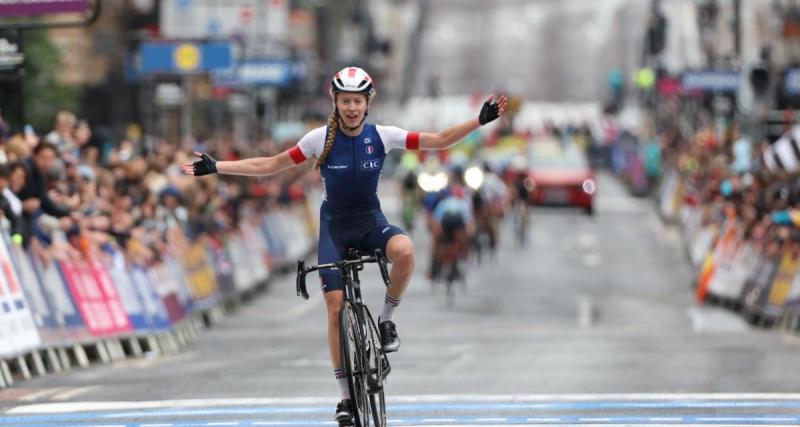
<point x="560" y="175"/>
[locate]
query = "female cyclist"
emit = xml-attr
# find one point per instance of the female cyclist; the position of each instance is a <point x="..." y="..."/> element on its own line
<point x="349" y="154"/>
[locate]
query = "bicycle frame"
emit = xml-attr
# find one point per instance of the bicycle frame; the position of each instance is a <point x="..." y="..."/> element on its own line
<point x="349" y="267"/>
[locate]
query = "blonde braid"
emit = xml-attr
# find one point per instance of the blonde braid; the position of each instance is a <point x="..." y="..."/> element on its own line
<point x="333" y="123"/>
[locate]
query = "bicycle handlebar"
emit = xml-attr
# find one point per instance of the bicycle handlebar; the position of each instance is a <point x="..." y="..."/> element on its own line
<point x="302" y="270"/>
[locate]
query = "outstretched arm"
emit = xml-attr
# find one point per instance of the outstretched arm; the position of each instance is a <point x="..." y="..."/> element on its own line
<point x="256" y="166"/>
<point x="452" y="135"/>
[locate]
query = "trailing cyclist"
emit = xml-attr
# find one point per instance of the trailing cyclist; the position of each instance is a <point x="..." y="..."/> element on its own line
<point x="453" y="228"/>
<point x="350" y="155"/>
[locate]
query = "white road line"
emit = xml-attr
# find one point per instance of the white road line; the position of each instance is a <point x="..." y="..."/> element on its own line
<point x="438" y="420"/>
<point x="66" y="407"/>
<point x="223" y="424"/>
<point x="156" y="425"/>
<point x="40" y="394"/>
<point x="77" y="391"/>
<point x="667" y="419"/>
<point x="543" y="420"/>
<point x="739" y="419"/>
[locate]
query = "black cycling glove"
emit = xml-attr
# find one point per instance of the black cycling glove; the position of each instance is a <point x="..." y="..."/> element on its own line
<point x="205" y="166"/>
<point x="489" y="112"/>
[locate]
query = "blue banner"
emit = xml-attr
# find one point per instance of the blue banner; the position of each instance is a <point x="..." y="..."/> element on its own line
<point x="711" y="80"/>
<point x="263" y="72"/>
<point x="172" y="57"/>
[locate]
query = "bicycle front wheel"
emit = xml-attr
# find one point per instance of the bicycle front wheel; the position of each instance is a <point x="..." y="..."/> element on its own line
<point x="353" y="362"/>
<point x="379" y="368"/>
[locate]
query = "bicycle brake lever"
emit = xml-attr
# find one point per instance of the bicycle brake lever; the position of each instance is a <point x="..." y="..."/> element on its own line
<point x="382" y="265"/>
<point x="301" y="280"/>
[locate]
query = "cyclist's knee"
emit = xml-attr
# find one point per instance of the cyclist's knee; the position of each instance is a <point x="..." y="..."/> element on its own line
<point x="402" y="253"/>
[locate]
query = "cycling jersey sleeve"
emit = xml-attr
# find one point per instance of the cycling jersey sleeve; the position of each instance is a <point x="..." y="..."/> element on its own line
<point x="394" y="137"/>
<point x="310" y="144"/>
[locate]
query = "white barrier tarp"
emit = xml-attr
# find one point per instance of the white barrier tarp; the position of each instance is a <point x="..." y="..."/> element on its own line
<point x="17" y="328"/>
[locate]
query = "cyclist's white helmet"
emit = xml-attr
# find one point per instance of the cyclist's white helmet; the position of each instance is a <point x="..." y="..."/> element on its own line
<point x="353" y="80"/>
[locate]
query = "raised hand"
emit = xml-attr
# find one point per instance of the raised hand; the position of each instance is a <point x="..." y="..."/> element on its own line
<point x="492" y="109"/>
<point x="205" y="166"/>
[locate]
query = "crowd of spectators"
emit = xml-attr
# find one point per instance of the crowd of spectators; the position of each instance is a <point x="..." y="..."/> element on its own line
<point x="67" y="192"/>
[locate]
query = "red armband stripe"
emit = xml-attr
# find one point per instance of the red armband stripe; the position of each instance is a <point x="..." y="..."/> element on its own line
<point x="297" y="155"/>
<point x="412" y="141"/>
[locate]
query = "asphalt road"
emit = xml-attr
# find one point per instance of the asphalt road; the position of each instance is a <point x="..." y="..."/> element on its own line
<point x="592" y="323"/>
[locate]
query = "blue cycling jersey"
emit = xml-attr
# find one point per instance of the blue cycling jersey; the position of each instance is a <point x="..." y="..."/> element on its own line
<point x="353" y="167"/>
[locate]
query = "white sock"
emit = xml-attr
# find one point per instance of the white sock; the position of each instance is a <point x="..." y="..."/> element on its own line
<point x="341" y="379"/>
<point x="389" y="305"/>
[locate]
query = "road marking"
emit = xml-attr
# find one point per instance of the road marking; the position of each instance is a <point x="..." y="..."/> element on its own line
<point x="41" y="393"/>
<point x="543" y="420"/>
<point x="69" y="394"/>
<point x="223" y="424"/>
<point x="156" y="425"/>
<point x="635" y="400"/>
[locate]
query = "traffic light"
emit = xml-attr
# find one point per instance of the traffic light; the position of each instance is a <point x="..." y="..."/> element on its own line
<point x="759" y="80"/>
<point x="656" y="33"/>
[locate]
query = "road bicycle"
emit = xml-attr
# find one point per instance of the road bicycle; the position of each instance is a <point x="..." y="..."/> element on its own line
<point x="362" y="358"/>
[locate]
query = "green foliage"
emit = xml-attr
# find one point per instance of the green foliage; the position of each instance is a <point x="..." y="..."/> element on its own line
<point x="44" y="96"/>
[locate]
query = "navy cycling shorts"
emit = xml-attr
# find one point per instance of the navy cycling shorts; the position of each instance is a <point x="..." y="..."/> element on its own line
<point x="365" y="232"/>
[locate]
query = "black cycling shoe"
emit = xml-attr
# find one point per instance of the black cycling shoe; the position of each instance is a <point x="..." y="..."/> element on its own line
<point x="389" y="339"/>
<point x="344" y="413"/>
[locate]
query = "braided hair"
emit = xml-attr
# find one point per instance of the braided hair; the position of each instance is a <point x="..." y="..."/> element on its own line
<point x="333" y="123"/>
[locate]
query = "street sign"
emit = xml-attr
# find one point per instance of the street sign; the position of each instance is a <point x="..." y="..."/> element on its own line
<point x="41" y="7"/>
<point x="711" y="80"/>
<point x="10" y="56"/>
<point x="264" y="72"/>
<point x="181" y="58"/>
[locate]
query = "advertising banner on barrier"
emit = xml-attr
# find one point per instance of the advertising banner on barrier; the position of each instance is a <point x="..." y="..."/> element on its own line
<point x="200" y="276"/>
<point x="114" y="264"/>
<point x="98" y="302"/>
<point x="41" y="309"/>
<point x="223" y="267"/>
<point x="17" y="328"/>
<point x="154" y="308"/>
<point x="63" y="305"/>
<point x="168" y="289"/>
<point x="757" y="286"/>
<point x="243" y="276"/>
<point x="256" y="244"/>
<point x="726" y="250"/>
<point x="793" y="296"/>
<point x="783" y="281"/>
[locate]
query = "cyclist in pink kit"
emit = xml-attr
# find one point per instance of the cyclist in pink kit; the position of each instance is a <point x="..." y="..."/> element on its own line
<point x="350" y="155"/>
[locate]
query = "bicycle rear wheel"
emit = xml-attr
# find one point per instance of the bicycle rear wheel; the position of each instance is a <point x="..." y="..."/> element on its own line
<point x="379" y="368"/>
<point x="353" y="362"/>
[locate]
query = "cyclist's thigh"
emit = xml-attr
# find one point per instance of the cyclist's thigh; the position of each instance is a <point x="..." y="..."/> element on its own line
<point x="377" y="237"/>
<point x="329" y="251"/>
